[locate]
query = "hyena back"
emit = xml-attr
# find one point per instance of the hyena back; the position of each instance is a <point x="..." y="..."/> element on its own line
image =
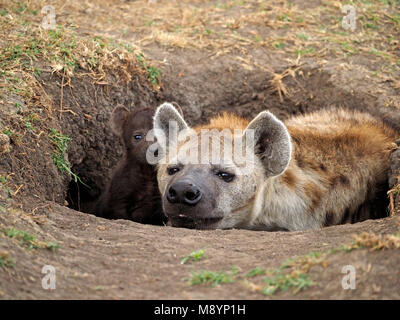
<point x="316" y="170"/>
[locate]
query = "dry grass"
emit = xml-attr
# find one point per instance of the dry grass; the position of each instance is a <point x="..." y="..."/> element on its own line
<point x="277" y="84"/>
<point x="228" y="26"/>
<point x="219" y="27"/>
<point x="239" y="27"/>
<point x="27" y="50"/>
<point x="392" y="193"/>
<point x="374" y="242"/>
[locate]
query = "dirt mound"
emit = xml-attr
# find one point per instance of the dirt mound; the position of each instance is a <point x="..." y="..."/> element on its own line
<point x="94" y="150"/>
<point x="124" y="260"/>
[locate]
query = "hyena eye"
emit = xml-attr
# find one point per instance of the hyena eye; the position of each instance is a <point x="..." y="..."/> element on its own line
<point x="172" y="170"/>
<point x="227" y="177"/>
<point x="138" y="137"/>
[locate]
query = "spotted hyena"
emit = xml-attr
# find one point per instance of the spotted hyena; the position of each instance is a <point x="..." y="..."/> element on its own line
<point x="132" y="192"/>
<point x="311" y="171"/>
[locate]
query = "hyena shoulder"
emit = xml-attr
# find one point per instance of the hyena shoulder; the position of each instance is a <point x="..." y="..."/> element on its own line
<point x="338" y="169"/>
<point x="338" y="140"/>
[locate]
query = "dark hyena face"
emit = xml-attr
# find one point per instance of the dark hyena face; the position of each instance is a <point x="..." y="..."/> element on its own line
<point x="132" y="127"/>
<point x="219" y="190"/>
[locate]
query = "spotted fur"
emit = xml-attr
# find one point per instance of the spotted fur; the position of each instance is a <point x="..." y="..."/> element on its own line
<point x="337" y="173"/>
<point x="312" y="171"/>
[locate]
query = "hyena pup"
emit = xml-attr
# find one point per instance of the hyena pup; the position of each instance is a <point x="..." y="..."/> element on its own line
<point x="132" y="192"/>
<point x="311" y="171"/>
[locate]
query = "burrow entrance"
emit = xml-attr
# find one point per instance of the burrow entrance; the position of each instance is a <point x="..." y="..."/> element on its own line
<point x="95" y="150"/>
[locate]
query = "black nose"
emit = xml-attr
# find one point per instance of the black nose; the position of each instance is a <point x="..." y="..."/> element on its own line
<point x="184" y="192"/>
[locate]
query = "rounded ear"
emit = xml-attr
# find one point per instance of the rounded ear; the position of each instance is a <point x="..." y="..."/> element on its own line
<point x="271" y="142"/>
<point x="118" y="118"/>
<point x="168" y="122"/>
<point x="177" y="107"/>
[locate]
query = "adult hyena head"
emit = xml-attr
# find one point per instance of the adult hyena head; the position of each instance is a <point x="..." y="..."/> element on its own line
<point x="209" y="176"/>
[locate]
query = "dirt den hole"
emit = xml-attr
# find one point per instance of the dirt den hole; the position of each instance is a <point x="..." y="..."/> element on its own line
<point x="98" y="151"/>
<point x="81" y="198"/>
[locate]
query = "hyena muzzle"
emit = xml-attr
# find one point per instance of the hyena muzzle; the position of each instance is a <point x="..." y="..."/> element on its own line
<point x="320" y="169"/>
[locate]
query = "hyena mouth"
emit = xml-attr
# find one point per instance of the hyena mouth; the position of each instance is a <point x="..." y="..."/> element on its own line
<point x="183" y="221"/>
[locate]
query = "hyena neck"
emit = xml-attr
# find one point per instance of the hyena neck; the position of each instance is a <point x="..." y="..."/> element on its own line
<point x="313" y="192"/>
<point x="281" y="204"/>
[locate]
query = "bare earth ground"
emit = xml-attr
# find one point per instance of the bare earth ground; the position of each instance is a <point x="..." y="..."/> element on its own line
<point x="125" y="260"/>
<point x="241" y="56"/>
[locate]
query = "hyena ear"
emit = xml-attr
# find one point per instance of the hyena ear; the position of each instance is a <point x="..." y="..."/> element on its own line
<point x="118" y="118"/>
<point x="168" y="122"/>
<point x="271" y="142"/>
<point x="177" y="107"/>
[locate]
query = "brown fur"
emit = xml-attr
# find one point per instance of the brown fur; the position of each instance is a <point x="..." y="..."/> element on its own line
<point x="334" y="150"/>
<point x="132" y="192"/>
<point x="289" y="178"/>
<point x="311" y="171"/>
<point x="330" y="155"/>
<point x="225" y="121"/>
